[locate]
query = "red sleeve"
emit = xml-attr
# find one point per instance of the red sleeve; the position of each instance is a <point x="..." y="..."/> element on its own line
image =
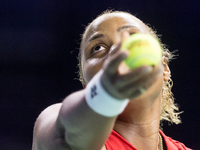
<point x="173" y="144"/>
<point x="179" y="145"/>
<point x="117" y="142"/>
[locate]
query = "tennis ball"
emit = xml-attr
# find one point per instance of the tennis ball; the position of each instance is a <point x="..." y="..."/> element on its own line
<point x="144" y="50"/>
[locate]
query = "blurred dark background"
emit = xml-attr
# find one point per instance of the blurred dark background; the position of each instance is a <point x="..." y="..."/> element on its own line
<point x="39" y="43"/>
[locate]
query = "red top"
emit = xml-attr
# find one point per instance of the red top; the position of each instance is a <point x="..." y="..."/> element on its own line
<point x="117" y="142"/>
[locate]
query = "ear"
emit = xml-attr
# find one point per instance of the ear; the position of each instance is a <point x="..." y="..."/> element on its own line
<point x="166" y="72"/>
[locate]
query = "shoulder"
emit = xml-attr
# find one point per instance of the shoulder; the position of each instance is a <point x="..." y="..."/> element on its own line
<point x="178" y="144"/>
<point x="49" y="115"/>
<point x="173" y="144"/>
<point x="46" y="130"/>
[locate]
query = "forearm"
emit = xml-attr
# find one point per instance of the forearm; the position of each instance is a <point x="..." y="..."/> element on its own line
<point x="84" y="128"/>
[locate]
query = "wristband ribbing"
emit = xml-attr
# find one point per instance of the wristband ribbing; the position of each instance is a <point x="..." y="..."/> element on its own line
<point x="100" y="101"/>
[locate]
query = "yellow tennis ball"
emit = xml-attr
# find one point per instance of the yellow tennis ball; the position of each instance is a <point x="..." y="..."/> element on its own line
<point x="144" y="50"/>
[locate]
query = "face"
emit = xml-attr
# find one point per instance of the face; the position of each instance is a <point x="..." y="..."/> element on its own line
<point x="102" y="36"/>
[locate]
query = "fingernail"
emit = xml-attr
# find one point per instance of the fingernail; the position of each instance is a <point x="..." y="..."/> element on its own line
<point x="147" y="69"/>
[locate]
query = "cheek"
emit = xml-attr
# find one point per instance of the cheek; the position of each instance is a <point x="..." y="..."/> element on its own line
<point x="91" y="67"/>
<point x="156" y="88"/>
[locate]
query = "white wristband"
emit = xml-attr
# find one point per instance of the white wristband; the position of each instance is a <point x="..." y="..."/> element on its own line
<point x="100" y="101"/>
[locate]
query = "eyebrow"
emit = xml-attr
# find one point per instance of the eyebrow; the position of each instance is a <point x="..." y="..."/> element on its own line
<point x="118" y="30"/>
<point x="96" y="37"/>
<point x="125" y="27"/>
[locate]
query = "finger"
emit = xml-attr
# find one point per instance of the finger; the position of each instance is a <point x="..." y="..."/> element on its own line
<point x="132" y="88"/>
<point x="135" y="74"/>
<point x="133" y="91"/>
<point x="112" y="64"/>
<point x="145" y="82"/>
<point x="131" y="94"/>
<point x="124" y="35"/>
<point x="132" y="76"/>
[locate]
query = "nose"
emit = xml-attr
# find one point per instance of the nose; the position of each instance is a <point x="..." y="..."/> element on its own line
<point x="117" y="41"/>
<point x="115" y="48"/>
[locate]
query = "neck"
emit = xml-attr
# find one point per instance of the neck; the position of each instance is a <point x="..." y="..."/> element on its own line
<point x="139" y="124"/>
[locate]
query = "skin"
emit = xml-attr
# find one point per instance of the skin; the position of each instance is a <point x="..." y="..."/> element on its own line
<point x="57" y="127"/>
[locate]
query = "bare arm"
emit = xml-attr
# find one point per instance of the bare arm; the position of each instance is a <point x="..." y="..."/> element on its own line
<point x="84" y="129"/>
<point x="87" y="130"/>
<point x="46" y="134"/>
<point x="71" y="125"/>
<point x="74" y="125"/>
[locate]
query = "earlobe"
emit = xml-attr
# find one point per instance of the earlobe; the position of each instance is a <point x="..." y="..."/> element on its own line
<point x="166" y="76"/>
<point x="166" y="72"/>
